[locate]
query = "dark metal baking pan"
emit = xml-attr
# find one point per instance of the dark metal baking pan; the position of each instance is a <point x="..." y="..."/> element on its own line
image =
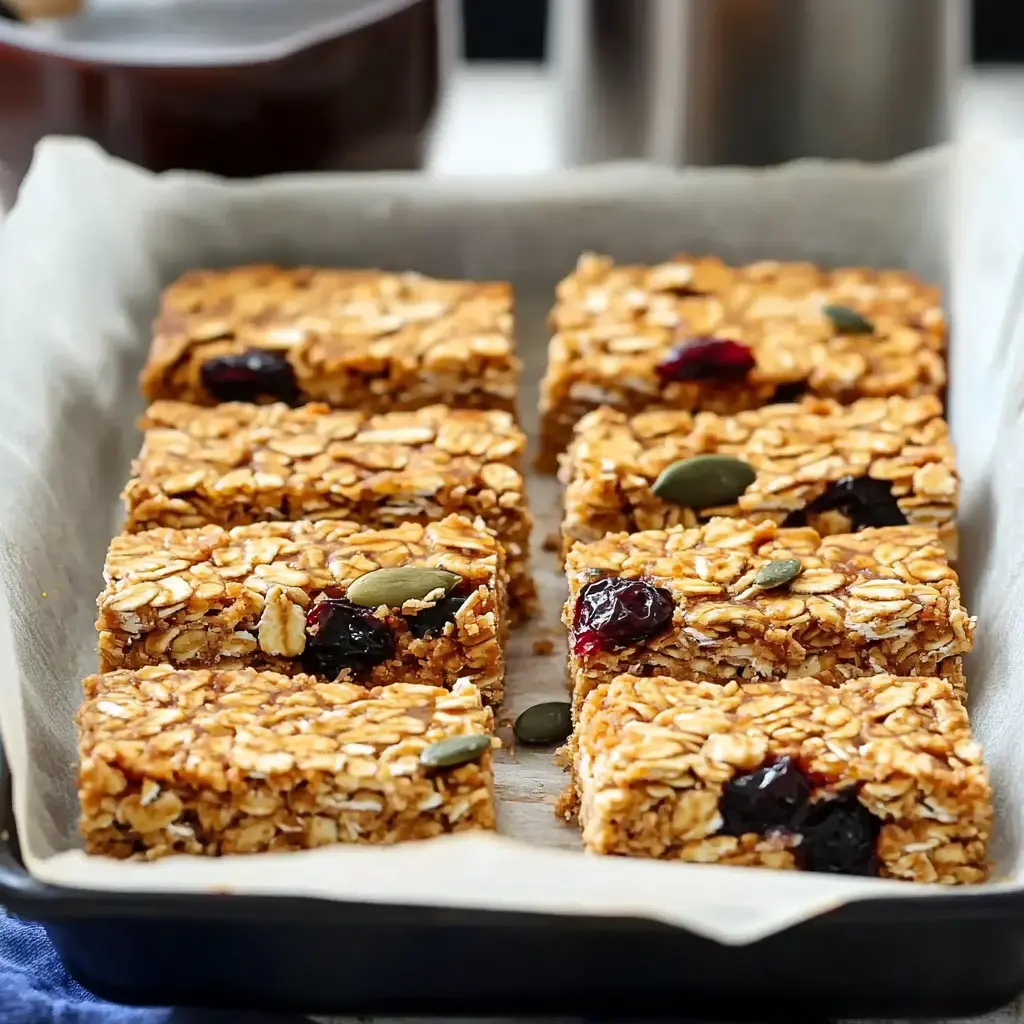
<point x="932" y="956"/>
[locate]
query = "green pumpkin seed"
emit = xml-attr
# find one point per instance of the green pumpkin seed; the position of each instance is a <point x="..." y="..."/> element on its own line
<point x="848" y="321"/>
<point x="456" y="750"/>
<point x="393" y="587"/>
<point x="778" y="574"/>
<point x="545" y="723"/>
<point x="705" y="481"/>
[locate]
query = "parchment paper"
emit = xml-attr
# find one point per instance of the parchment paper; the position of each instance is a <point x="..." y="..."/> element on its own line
<point x="82" y="260"/>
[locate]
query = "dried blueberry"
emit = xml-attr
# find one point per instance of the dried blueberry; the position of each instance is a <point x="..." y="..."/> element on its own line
<point x="249" y="376"/>
<point x="341" y="635"/>
<point x="864" y="500"/>
<point x="615" y="611"/>
<point x="706" y="359"/>
<point x="788" y="393"/>
<point x="767" y="800"/>
<point x="431" y="621"/>
<point x="840" y="836"/>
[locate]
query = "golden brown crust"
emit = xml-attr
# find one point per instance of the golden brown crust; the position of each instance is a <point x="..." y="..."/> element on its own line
<point x="241" y="761"/>
<point x="796" y="450"/>
<point x="360" y="339"/>
<point x="612" y="324"/>
<point x="211" y="597"/>
<point x="882" y="600"/>
<point x="651" y="757"/>
<point x="239" y="463"/>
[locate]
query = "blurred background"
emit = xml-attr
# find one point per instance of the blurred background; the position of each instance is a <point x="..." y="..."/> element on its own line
<point x="515" y="30"/>
<point x="249" y="87"/>
<point x="729" y="81"/>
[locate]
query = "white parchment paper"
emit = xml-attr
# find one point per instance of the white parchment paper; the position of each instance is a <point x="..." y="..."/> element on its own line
<point x="83" y="258"/>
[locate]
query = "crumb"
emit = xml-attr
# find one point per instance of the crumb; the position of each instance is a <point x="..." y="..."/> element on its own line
<point x="565" y="807"/>
<point x="542" y="647"/>
<point x="552" y="541"/>
<point x="504" y="733"/>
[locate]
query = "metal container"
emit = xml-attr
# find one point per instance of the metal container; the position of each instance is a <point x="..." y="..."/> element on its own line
<point x="755" y="82"/>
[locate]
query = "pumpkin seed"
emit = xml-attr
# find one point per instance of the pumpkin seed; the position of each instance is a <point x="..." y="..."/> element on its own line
<point x="848" y="321"/>
<point x="545" y="723"/>
<point x="704" y="481"/>
<point x="394" y="586"/>
<point x="779" y="573"/>
<point x="455" y="750"/>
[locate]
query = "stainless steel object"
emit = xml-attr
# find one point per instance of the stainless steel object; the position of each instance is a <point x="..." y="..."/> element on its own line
<point x="755" y="82"/>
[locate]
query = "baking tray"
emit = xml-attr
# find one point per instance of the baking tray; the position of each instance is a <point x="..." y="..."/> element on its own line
<point x="879" y="957"/>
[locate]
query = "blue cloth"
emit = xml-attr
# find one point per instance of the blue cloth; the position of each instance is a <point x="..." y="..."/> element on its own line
<point x="35" y="989"/>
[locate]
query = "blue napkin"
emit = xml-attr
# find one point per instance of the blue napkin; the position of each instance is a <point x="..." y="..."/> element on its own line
<point x="35" y="989"/>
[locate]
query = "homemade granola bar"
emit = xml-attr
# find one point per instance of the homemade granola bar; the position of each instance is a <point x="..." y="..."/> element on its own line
<point x="694" y="333"/>
<point x="240" y="463"/>
<point x="876" y="776"/>
<point x="739" y="600"/>
<point x="879" y="461"/>
<point x="240" y="761"/>
<point x="356" y="339"/>
<point x="311" y="597"/>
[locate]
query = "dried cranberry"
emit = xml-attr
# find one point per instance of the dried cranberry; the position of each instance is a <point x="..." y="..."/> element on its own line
<point x="707" y="359"/>
<point x="764" y="801"/>
<point x="342" y="635"/>
<point x="864" y="500"/>
<point x="431" y="621"/>
<point x="840" y="836"/>
<point x="248" y="376"/>
<point x="614" y="611"/>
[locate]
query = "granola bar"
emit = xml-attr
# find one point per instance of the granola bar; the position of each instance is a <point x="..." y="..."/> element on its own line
<point x="798" y="452"/>
<point x="356" y="339"/>
<point x="240" y="761"/>
<point x="240" y="463"/>
<point x="751" y="334"/>
<point x="877" y="776"/>
<point x="708" y="603"/>
<point x="280" y="596"/>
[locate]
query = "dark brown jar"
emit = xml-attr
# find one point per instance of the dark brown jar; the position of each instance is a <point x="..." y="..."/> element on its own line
<point x="360" y="100"/>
